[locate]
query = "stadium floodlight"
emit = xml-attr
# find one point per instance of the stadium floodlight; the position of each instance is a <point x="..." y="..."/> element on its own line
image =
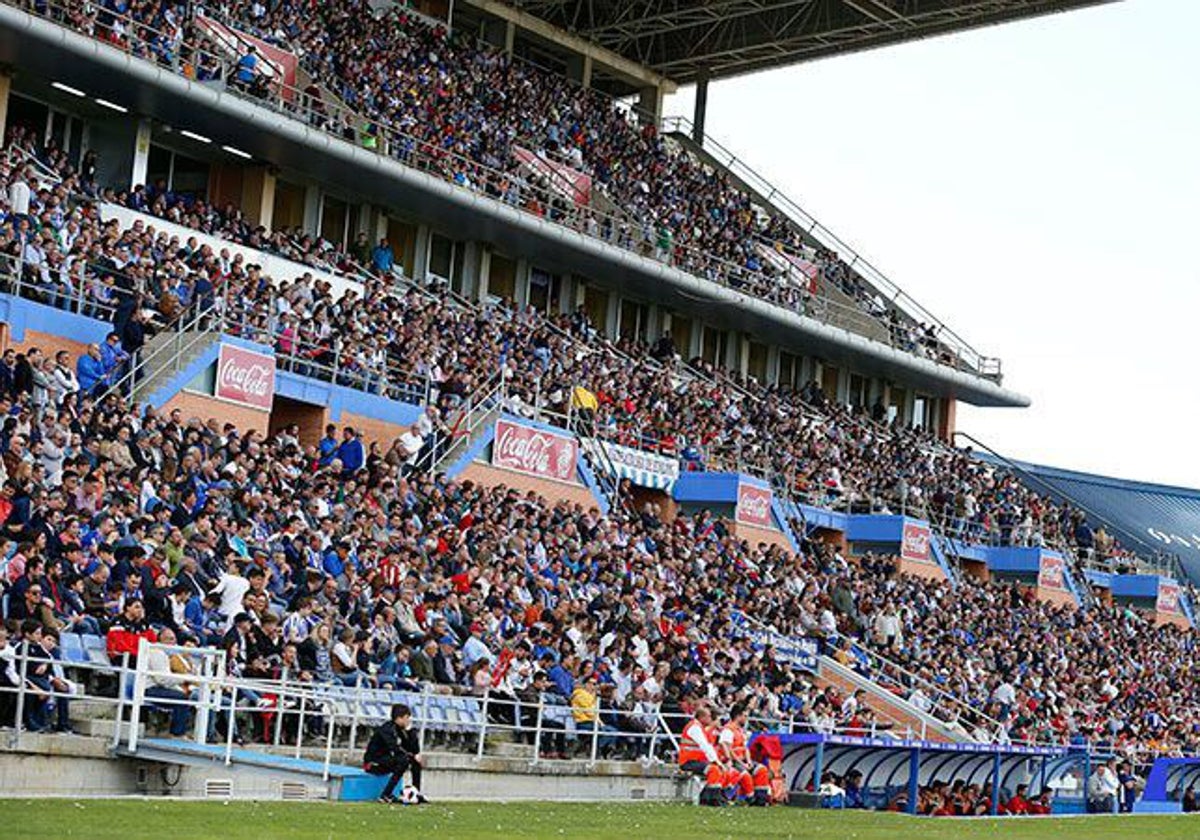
<point x="199" y="138"/>
<point x="237" y="152"/>
<point x="112" y="106"/>
<point x="68" y="89"/>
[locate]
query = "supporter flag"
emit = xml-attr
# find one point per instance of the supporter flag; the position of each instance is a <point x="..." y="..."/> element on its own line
<point x="582" y="398"/>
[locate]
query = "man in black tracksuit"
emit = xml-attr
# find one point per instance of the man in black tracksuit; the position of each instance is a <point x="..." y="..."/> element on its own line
<point x="393" y="751"/>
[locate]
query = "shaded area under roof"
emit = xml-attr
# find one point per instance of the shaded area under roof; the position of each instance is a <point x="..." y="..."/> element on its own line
<point x="1146" y="518"/>
<point x="686" y="41"/>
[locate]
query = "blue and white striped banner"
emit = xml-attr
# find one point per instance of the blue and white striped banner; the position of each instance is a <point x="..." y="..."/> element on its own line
<point x="645" y="469"/>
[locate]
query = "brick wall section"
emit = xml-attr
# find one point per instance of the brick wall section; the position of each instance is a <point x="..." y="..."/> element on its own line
<point x="1179" y="621"/>
<point x="1056" y="597"/>
<point x="756" y="535"/>
<point x="49" y="344"/>
<point x="372" y="430"/>
<point x="490" y="476"/>
<point x="310" y="418"/>
<point x="204" y="407"/>
<point x="927" y="571"/>
<point x="640" y="496"/>
<point x="977" y="570"/>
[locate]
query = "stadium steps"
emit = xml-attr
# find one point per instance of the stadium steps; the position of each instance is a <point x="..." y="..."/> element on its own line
<point x="344" y="783"/>
<point x="890" y="708"/>
<point x="167" y="364"/>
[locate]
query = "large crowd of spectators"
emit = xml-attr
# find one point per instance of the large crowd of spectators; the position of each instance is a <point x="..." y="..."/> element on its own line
<point x="395" y="83"/>
<point x="337" y="558"/>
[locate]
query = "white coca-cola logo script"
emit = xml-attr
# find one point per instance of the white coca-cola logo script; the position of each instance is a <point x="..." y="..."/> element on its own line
<point x="915" y="544"/>
<point x="245" y="377"/>
<point x="754" y="505"/>
<point x="253" y="380"/>
<point x="531" y="451"/>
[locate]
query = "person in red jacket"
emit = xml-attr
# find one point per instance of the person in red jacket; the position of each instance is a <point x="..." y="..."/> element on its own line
<point x="1018" y="804"/>
<point x="127" y="631"/>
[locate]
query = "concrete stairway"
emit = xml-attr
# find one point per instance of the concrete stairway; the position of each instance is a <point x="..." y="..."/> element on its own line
<point x="163" y="363"/>
<point x="904" y="717"/>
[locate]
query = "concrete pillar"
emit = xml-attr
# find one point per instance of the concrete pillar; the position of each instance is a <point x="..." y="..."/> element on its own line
<point x="577" y="295"/>
<point x="650" y="105"/>
<point x="258" y="195"/>
<point x="613" y="316"/>
<point x="141" y="152"/>
<point x="421" y="257"/>
<point x="737" y="351"/>
<point x="700" y="110"/>
<point x="772" y="364"/>
<point x="522" y="283"/>
<point x="501" y="34"/>
<point x="481" y="259"/>
<point x="579" y="69"/>
<point x="312" y="209"/>
<point x="654" y="319"/>
<point x="5" y="89"/>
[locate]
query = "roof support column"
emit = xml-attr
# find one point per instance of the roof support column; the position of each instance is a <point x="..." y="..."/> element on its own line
<point x="501" y="34"/>
<point x="141" y="151"/>
<point x="579" y="69"/>
<point x="700" y="110"/>
<point x="650" y="105"/>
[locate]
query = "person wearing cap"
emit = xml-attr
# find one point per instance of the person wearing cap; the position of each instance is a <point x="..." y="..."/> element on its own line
<point x="444" y="668"/>
<point x="474" y="648"/>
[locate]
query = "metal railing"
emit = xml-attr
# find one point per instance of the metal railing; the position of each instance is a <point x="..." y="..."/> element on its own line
<point x="384" y="138"/>
<point x="942" y="705"/>
<point x="812" y="229"/>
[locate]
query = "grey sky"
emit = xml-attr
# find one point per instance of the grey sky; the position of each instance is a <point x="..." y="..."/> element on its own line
<point x="1034" y="185"/>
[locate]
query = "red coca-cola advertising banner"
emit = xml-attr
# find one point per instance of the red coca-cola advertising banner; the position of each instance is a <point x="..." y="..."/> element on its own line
<point x="1052" y="573"/>
<point x="914" y="542"/>
<point x="534" y="451"/>
<point x="245" y="377"/>
<point x="563" y="179"/>
<point x="753" y="505"/>
<point x="1168" y="598"/>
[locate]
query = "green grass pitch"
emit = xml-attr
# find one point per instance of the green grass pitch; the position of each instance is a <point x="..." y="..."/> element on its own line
<point x="133" y="819"/>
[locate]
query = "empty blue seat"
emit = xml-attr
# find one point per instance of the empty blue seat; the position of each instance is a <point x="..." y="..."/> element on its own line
<point x="93" y="647"/>
<point x="71" y="648"/>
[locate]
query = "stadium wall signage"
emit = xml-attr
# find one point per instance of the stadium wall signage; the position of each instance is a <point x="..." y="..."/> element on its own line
<point x="563" y="179"/>
<point x="914" y="543"/>
<point x="1052" y="573"/>
<point x="798" y="653"/>
<point x="753" y="505"/>
<point x="535" y="452"/>
<point x="644" y="469"/>
<point x="1167" y="601"/>
<point x="245" y="377"/>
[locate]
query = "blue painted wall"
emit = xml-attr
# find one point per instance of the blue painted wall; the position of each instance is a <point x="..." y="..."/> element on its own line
<point x="23" y="315"/>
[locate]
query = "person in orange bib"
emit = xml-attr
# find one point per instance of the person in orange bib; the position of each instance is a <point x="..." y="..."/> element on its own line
<point x="735" y="755"/>
<point x="698" y="757"/>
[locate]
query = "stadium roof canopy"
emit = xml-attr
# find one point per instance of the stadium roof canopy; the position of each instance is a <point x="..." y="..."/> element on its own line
<point x="688" y="41"/>
<point x="1149" y="519"/>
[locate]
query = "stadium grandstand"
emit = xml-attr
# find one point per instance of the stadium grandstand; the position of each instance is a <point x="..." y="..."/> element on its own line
<point x="400" y="379"/>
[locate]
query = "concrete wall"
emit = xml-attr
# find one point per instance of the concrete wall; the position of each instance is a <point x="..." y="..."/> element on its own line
<point x="205" y="407"/>
<point x="490" y="476"/>
<point x="928" y="571"/>
<point x="54" y="765"/>
<point x="48" y="343"/>
<point x="757" y="535"/>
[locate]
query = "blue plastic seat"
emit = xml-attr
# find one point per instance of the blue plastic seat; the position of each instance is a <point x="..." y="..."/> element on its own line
<point x="71" y="648"/>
